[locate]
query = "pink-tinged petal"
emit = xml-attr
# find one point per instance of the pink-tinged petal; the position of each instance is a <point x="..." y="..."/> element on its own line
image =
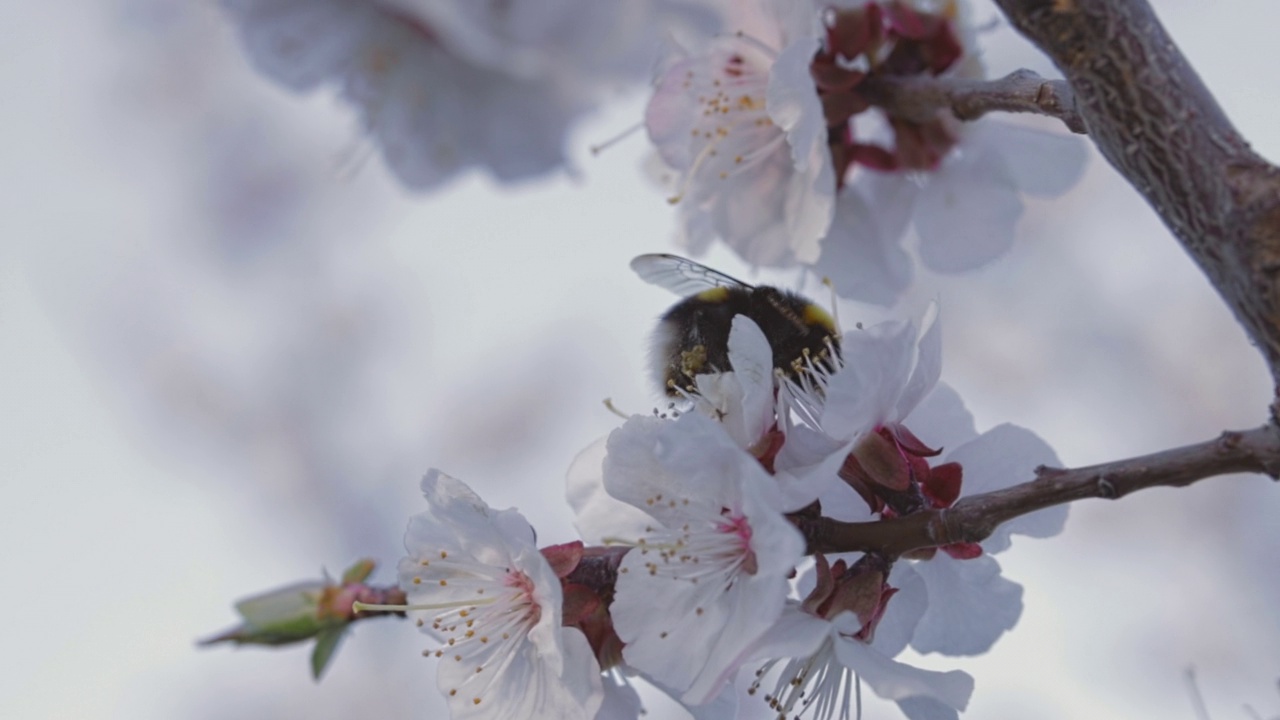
<point x="1003" y="456"/>
<point x="897" y="681"/>
<point x="719" y="561"/>
<point x="669" y="116"/>
<point x="777" y="547"/>
<point x="966" y="213"/>
<point x="742" y="123"/>
<point x="507" y="656"/>
<point x="864" y="262"/>
<point x="941" y="419"/>
<point x="970" y="605"/>
<point x="1041" y="163"/>
<point x="597" y="514"/>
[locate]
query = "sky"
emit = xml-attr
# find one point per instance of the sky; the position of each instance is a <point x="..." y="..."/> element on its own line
<point x="232" y="345"/>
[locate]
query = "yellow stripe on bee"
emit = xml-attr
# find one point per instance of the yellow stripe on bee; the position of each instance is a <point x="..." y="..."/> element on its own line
<point x="814" y="315"/>
<point x="715" y="294"/>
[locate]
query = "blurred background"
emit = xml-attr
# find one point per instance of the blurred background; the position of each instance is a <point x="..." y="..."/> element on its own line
<point x="231" y="345"/>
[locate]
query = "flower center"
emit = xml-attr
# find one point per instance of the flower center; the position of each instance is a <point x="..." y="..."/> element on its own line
<point x="732" y="131"/>
<point x="817" y="682"/>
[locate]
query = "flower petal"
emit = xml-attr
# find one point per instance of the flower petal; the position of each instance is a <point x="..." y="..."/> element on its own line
<point x="1041" y="163"/>
<point x="893" y="680"/>
<point x="597" y="514"/>
<point x="1007" y="455"/>
<point x="928" y="365"/>
<point x="966" y="213"/>
<point x="941" y="420"/>
<point x="864" y="262"/>
<point x="970" y="605"/>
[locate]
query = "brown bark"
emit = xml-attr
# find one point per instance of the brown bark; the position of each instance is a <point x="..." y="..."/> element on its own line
<point x="1154" y="120"/>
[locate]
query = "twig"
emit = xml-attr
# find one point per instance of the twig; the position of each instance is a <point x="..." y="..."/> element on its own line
<point x="973" y="519"/>
<point x="1021" y="91"/>
<point x="1154" y="120"/>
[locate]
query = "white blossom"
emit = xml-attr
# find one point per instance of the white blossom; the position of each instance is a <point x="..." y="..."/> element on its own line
<point x="446" y="85"/>
<point x="739" y="120"/>
<point x="718" y="551"/>
<point x="503" y="652"/>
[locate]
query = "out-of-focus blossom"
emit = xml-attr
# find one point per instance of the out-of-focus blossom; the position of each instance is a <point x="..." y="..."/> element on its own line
<point x="957" y="184"/>
<point x="718" y="551"/>
<point x="739" y="120"/>
<point x="964" y="212"/>
<point x="497" y="609"/>
<point x="786" y="152"/>
<point x="445" y="85"/>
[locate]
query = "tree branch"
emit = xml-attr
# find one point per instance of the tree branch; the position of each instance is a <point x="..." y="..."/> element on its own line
<point x="973" y="519"/>
<point x="1155" y="121"/>
<point x="919" y="97"/>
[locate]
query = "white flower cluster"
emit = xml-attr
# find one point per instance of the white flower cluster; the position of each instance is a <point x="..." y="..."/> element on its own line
<point x="765" y="116"/>
<point x="777" y="152"/>
<point x="705" y="604"/>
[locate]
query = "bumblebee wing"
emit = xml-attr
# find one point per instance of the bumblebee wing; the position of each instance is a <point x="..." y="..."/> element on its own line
<point x="681" y="275"/>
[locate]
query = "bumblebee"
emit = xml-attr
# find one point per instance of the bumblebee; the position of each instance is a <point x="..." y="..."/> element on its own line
<point x="692" y="338"/>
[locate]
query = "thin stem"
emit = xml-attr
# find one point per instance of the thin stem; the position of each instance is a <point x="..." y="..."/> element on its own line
<point x="1021" y="91"/>
<point x="973" y="519"/>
